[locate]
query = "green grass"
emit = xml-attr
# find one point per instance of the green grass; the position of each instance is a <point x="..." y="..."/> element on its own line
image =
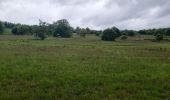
<point x="7" y="31"/>
<point x="83" y="69"/>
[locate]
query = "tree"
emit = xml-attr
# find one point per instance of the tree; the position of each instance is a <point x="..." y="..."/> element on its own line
<point x="97" y="33"/>
<point x="82" y="32"/>
<point x="9" y="25"/>
<point x="14" y="31"/>
<point x="41" y="30"/>
<point x="124" y="37"/>
<point x="159" y="37"/>
<point x="21" y="30"/>
<point x="77" y="30"/>
<point x="88" y="30"/>
<point x="167" y="32"/>
<point x="1" y="27"/>
<point x="62" y="28"/>
<point x="142" y="32"/>
<point x="128" y="32"/>
<point x="117" y="31"/>
<point x="110" y="34"/>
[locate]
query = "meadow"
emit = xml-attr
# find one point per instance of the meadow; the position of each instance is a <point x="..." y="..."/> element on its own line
<point x="83" y="69"/>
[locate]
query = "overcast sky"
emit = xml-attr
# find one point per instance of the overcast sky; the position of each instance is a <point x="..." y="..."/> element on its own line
<point x="97" y="14"/>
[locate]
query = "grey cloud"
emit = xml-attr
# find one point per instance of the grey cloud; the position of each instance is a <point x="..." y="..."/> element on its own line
<point x="98" y="14"/>
<point x="73" y="2"/>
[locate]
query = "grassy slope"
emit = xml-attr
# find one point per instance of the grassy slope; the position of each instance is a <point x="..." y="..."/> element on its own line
<point x="83" y="69"/>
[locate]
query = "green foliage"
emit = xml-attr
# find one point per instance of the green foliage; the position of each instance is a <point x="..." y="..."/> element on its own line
<point x="110" y="34"/>
<point x="14" y="30"/>
<point x="9" y="25"/>
<point x="128" y="32"/>
<point x="159" y="37"/>
<point x="142" y="32"/>
<point x="40" y="35"/>
<point x="164" y="31"/>
<point x="117" y="31"/>
<point x="97" y="33"/>
<point x="87" y="31"/>
<point x="62" y="28"/>
<point x="41" y="30"/>
<point x="123" y="37"/>
<point x="167" y="32"/>
<point x="1" y="27"/>
<point x="82" y="32"/>
<point x="21" y="30"/>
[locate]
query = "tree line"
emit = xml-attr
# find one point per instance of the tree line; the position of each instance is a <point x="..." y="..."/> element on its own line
<point x="62" y="28"/>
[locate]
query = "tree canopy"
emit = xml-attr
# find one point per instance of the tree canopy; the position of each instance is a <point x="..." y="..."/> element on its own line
<point x="62" y="28"/>
<point x="110" y="34"/>
<point x="41" y="30"/>
<point x="1" y="27"/>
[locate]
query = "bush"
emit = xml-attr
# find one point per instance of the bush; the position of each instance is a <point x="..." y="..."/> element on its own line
<point x="40" y="35"/>
<point x="82" y="33"/>
<point x="14" y="30"/>
<point x="21" y="30"/>
<point x="159" y="37"/>
<point x="123" y="37"/>
<point x="1" y="27"/>
<point x="41" y="30"/>
<point x="98" y="33"/>
<point x="110" y="34"/>
<point x="128" y="32"/>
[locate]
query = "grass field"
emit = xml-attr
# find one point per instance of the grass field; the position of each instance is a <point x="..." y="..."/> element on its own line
<point x="83" y="69"/>
<point x="7" y="31"/>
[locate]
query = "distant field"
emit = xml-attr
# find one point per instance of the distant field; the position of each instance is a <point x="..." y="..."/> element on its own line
<point x="83" y="68"/>
<point x="7" y="31"/>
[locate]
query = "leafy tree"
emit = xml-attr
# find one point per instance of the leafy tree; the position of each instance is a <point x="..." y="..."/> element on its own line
<point x="159" y="37"/>
<point x="82" y="32"/>
<point x="88" y="30"/>
<point x="14" y="31"/>
<point x="167" y="32"/>
<point x="1" y="27"/>
<point x="110" y="34"/>
<point x="97" y="33"/>
<point x="142" y="32"/>
<point x="128" y="32"/>
<point x="50" y="29"/>
<point x="41" y="30"/>
<point x="9" y="25"/>
<point x="117" y="31"/>
<point x="124" y="37"/>
<point x="62" y="28"/>
<point x="21" y="30"/>
<point x="164" y="31"/>
<point x="77" y="30"/>
<point x="158" y="32"/>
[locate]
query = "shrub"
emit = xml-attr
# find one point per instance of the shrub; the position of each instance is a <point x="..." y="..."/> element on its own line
<point x="21" y="30"/>
<point x="128" y="32"/>
<point x="1" y="27"/>
<point x="14" y="30"/>
<point x="159" y="37"/>
<point x="82" y="32"/>
<point x="41" y="36"/>
<point x="41" y="30"/>
<point x="110" y="34"/>
<point x="123" y="37"/>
